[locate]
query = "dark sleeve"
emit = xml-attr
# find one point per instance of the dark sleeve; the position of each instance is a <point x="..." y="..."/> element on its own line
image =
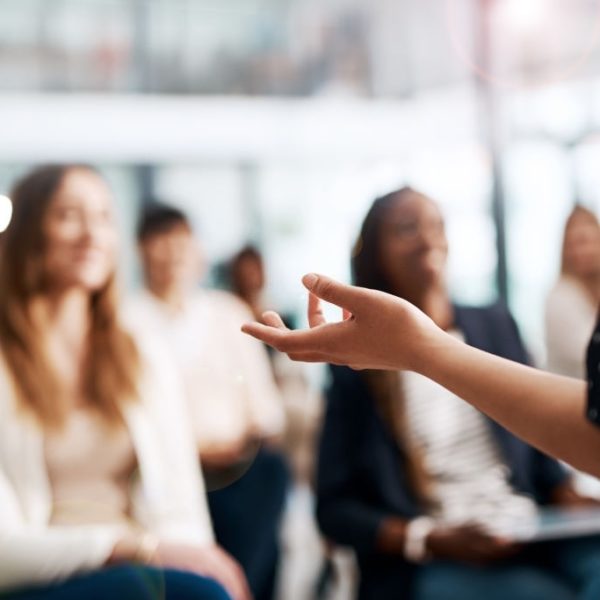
<point x="506" y="336"/>
<point x="549" y="474"/>
<point x="343" y="515"/>
<point x="546" y="472"/>
<point x="593" y="378"/>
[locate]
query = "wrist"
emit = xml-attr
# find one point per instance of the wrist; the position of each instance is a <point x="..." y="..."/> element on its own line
<point x="390" y="537"/>
<point x="134" y="548"/>
<point x="416" y="540"/>
<point x="438" y="347"/>
<point x="147" y="548"/>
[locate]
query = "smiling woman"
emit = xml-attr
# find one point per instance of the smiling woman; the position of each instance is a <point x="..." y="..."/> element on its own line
<point x="92" y="483"/>
<point x="62" y="242"/>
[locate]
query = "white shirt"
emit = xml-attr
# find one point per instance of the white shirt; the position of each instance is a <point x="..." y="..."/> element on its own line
<point x="228" y="378"/>
<point x="470" y="480"/>
<point x="168" y="499"/>
<point x="570" y="320"/>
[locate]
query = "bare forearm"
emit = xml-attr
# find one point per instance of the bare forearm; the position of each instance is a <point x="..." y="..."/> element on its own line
<point x="546" y="410"/>
<point x="380" y="331"/>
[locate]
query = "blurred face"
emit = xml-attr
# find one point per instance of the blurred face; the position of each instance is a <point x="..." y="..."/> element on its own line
<point x="582" y="246"/>
<point x="80" y="234"/>
<point x="413" y="245"/>
<point x="249" y="275"/>
<point x="172" y="260"/>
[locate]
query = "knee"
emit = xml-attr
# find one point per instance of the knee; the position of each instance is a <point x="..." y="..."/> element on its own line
<point x="132" y="582"/>
<point x="188" y="586"/>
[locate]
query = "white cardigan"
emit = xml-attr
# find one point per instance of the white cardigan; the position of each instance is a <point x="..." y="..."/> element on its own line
<point x="168" y="499"/>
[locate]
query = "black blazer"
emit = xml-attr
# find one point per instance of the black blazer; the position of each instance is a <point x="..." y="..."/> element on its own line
<point x="361" y="479"/>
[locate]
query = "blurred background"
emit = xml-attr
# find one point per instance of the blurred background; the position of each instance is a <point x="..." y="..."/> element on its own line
<point x="278" y="122"/>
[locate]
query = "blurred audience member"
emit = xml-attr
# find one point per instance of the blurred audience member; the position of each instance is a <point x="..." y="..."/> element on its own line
<point x="235" y="407"/>
<point x="572" y="305"/>
<point x="247" y="276"/>
<point x="420" y="484"/>
<point x="99" y="493"/>
<point x="303" y="403"/>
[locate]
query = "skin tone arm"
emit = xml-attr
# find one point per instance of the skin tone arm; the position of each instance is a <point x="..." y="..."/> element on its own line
<point x="380" y="331"/>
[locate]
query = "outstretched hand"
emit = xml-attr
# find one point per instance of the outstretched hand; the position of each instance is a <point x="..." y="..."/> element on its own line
<point x="378" y="330"/>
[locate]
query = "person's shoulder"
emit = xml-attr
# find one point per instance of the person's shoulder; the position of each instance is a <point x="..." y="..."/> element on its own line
<point x="224" y="303"/>
<point x="137" y="309"/>
<point x="139" y="299"/>
<point x="493" y="311"/>
<point x="136" y="319"/>
<point x="566" y="294"/>
<point x="8" y="396"/>
<point x="493" y="322"/>
<point x="147" y="343"/>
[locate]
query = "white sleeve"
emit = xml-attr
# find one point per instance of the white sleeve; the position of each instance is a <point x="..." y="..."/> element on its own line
<point x="41" y="555"/>
<point x="188" y="518"/>
<point x="264" y="399"/>
<point x="567" y="335"/>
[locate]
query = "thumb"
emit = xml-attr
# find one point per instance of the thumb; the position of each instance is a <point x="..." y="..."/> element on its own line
<point x="330" y="290"/>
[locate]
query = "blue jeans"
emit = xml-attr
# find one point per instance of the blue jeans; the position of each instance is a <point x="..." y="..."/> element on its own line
<point x="565" y="570"/>
<point x="246" y="517"/>
<point x="452" y="581"/>
<point x="129" y="582"/>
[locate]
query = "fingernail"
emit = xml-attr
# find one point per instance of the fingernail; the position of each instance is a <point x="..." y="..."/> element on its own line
<point x="310" y="280"/>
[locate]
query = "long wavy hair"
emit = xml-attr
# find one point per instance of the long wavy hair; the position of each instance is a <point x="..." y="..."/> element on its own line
<point x="112" y="362"/>
<point x="385" y="386"/>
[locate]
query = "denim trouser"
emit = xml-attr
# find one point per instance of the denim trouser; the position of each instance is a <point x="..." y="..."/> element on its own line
<point x="565" y="570"/>
<point x="246" y="517"/>
<point x="129" y="582"/>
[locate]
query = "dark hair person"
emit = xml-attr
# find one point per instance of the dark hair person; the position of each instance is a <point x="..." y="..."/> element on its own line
<point x="29" y="274"/>
<point x="234" y="407"/>
<point x="99" y="495"/>
<point x="419" y="483"/>
<point x="247" y="278"/>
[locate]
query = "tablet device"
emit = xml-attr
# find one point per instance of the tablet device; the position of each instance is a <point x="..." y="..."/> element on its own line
<point x="555" y="524"/>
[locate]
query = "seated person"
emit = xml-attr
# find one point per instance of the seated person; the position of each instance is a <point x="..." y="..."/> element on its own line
<point x="572" y="304"/>
<point x="235" y="408"/>
<point x="99" y="494"/>
<point x="419" y="483"/>
<point x="572" y="308"/>
<point x="302" y="401"/>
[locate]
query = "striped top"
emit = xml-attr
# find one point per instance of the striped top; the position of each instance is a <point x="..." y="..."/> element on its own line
<point x="470" y="479"/>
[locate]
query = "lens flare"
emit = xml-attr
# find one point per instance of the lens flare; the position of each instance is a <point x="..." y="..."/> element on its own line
<point x="6" y="210"/>
<point x="519" y="21"/>
<point x="523" y="15"/>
